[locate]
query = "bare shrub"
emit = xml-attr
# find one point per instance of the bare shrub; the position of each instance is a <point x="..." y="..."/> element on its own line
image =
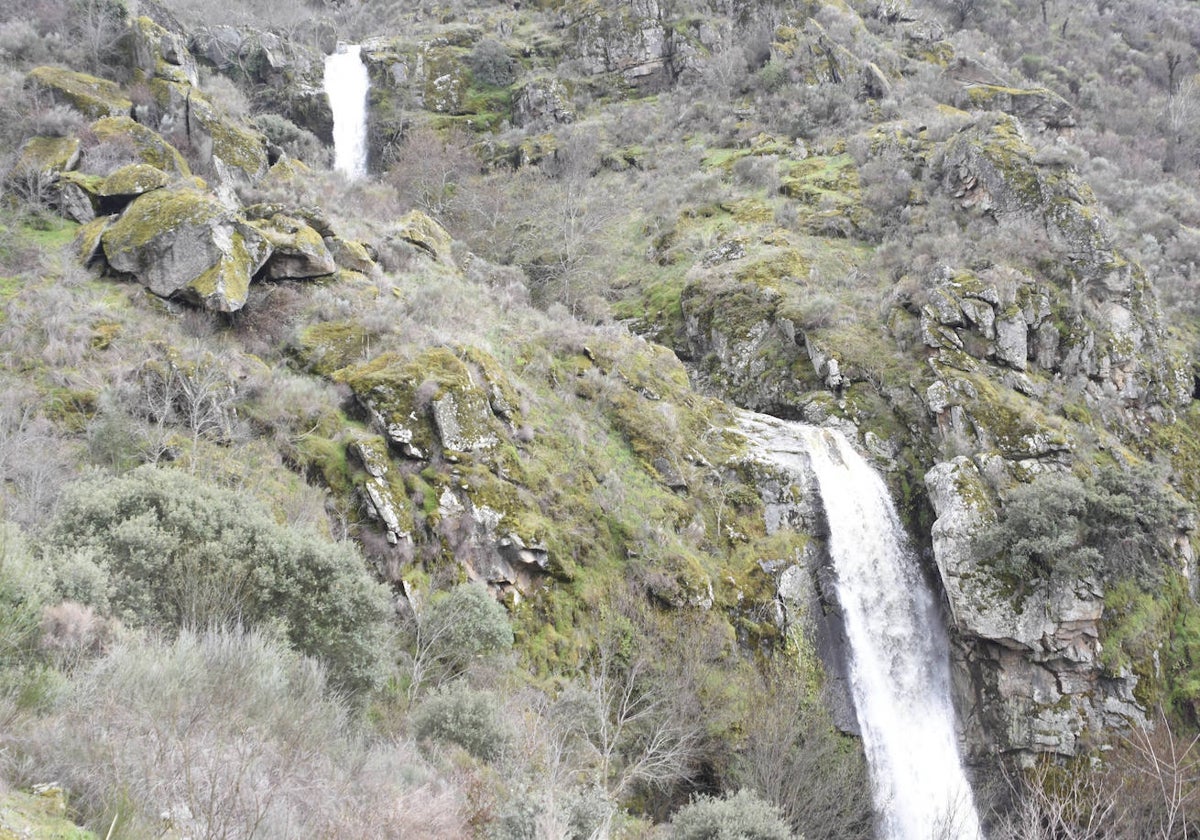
<point x="72" y="631"/>
<point x="228" y="734"/>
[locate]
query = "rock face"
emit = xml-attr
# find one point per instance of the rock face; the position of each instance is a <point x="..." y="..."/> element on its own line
<point x="185" y="243"/>
<point x="807" y="595"/>
<point x="542" y="103"/>
<point x="1037" y="680"/>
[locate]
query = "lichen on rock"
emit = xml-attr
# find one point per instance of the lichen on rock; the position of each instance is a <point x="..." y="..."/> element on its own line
<point x="185" y="243"/>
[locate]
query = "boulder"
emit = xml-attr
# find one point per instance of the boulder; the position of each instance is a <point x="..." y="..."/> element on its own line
<point x="130" y="181"/>
<point x="297" y="250"/>
<point x="160" y="54"/>
<point x="229" y="145"/>
<point x="91" y="96"/>
<point x="418" y="229"/>
<point x="147" y="143"/>
<point x="47" y="155"/>
<point x="184" y="243"/>
<point x="1034" y="106"/>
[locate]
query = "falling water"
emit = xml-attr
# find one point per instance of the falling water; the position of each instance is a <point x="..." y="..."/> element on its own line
<point x="346" y="85"/>
<point x="899" y="653"/>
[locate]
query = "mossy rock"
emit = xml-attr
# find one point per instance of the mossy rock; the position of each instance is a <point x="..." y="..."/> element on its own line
<point x="133" y="180"/>
<point x="298" y="251"/>
<point x="41" y="814"/>
<point x="219" y="137"/>
<point x="287" y="170"/>
<point x="88" y="244"/>
<point x="150" y="146"/>
<point x="47" y="155"/>
<point x="91" y="96"/>
<point x="185" y="243"/>
<point x="1040" y="105"/>
<point x="331" y="346"/>
<point x="160" y="54"/>
<point x="351" y="255"/>
<point x="430" y="400"/>
<point x="418" y="229"/>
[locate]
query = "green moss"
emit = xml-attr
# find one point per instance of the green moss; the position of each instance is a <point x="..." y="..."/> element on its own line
<point x="42" y="815"/>
<point x="333" y="345"/>
<point x="47" y="154"/>
<point x="91" y="96"/>
<point x="134" y="179"/>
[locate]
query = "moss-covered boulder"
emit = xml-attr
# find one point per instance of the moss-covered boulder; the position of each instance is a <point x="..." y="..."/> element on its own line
<point x="418" y="229"/>
<point x="147" y="143"/>
<point x="47" y="155"/>
<point x="230" y="150"/>
<point x="1036" y="106"/>
<point x="298" y="251"/>
<point x="233" y="148"/>
<point x="157" y="53"/>
<point x="91" y="96"/>
<point x="88" y="244"/>
<point x="351" y="255"/>
<point x="78" y="195"/>
<point x="431" y="399"/>
<point x="184" y="243"/>
<point x="130" y="181"/>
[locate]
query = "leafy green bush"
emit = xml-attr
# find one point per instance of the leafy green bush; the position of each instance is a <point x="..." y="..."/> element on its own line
<point x="742" y="816"/>
<point x="458" y="714"/>
<point x="164" y="549"/>
<point x="1119" y="524"/>
<point x="458" y="629"/>
<point x="490" y="64"/>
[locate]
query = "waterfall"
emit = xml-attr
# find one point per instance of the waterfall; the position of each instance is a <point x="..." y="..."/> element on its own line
<point x="346" y="85"/>
<point x="899" y="654"/>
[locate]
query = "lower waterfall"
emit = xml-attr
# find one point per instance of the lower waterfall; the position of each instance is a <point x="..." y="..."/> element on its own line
<point x="346" y="85"/>
<point x="899" y="654"/>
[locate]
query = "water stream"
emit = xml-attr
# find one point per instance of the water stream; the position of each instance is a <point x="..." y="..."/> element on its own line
<point x="899" y="654"/>
<point x="346" y="85"/>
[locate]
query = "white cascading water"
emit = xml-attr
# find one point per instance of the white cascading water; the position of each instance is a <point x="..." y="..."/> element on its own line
<point x="898" y="650"/>
<point x="346" y="85"/>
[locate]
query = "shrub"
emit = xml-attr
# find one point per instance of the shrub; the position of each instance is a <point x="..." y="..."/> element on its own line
<point x="294" y="140"/>
<point x="742" y="816"/>
<point x="491" y="65"/>
<point x="227" y="734"/>
<point x="175" y="551"/>
<point x="1118" y="523"/>
<point x="458" y="629"/>
<point x="458" y="714"/>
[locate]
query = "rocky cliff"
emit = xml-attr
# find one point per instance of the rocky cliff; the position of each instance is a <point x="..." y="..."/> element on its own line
<point x="815" y="211"/>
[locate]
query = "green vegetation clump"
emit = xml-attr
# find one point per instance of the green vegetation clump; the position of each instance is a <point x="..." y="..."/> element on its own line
<point x="742" y="816"/>
<point x="168" y="550"/>
<point x="1117" y="525"/>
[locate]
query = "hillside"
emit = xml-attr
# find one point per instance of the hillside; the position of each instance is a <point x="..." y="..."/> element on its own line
<point x="434" y="490"/>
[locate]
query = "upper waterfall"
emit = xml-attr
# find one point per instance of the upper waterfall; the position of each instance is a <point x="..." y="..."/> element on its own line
<point x="346" y="85"/>
<point x="899" y="654"/>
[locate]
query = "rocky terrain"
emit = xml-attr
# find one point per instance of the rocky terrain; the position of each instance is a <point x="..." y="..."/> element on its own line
<point x="517" y="356"/>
